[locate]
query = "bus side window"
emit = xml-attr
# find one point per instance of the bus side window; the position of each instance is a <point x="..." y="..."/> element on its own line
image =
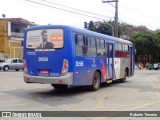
<point x="92" y="48"/>
<point x="88" y="41"/>
<point x="116" y="46"/>
<point x="81" y="48"/>
<point x="126" y="47"/>
<point x="100" y="48"/>
<point x="107" y="50"/>
<point x="120" y="46"/>
<point x="110" y="51"/>
<point x="80" y="41"/>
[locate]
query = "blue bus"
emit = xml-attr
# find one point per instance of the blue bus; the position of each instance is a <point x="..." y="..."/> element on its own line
<point x="66" y="56"/>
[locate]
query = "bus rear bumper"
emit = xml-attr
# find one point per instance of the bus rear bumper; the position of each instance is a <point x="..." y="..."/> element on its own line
<point x="64" y="80"/>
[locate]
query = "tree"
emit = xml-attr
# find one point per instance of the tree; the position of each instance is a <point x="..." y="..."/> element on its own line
<point x="146" y="42"/>
<point x="147" y="47"/>
<point x="104" y="27"/>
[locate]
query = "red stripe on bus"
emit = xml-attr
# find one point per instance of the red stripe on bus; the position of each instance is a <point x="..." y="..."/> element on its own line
<point x="104" y="71"/>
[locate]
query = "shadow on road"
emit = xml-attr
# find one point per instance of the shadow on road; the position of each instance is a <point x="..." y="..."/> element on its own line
<point x="53" y="97"/>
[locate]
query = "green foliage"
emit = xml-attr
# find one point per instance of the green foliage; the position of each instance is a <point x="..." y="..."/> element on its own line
<point x="146" y="42"/>
<point x="104" y="28"/>
<point x="147" y="45"/>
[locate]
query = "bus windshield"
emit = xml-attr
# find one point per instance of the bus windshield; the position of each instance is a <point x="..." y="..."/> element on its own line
<point x="45" y="39"/>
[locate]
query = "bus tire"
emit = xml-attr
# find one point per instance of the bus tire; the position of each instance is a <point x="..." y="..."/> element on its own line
<point x="16" y="69"/>
<point x="60" y="87"/>
<point x="95" y="82"/>
<point x="123" y="80"/>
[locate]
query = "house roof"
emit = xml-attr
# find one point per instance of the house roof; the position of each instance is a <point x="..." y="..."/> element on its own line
<point x="19" y="20"/>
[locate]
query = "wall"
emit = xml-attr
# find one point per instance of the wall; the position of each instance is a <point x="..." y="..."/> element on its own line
<point x="4" y="39"/>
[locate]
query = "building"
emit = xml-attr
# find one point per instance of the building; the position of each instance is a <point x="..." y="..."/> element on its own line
<point x="11" y="37"/>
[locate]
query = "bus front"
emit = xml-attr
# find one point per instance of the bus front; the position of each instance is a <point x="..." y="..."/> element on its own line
<point x="46" y="58"/>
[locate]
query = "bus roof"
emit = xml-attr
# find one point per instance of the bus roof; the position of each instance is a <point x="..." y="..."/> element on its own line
<point x="80" y="31"/>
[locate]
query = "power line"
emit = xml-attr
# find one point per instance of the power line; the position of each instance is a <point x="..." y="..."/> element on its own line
<point x="116" y="14"/>
<point x="119" y="14"/>
<point x="75" y="8"/>
<point x="65" y="10"/>
<point x="108" y="10"/>
<point x="87" y="11"/>
<point x="100" y="18"/>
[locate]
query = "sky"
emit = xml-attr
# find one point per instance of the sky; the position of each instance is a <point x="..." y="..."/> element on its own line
<point x="134" y="12"/>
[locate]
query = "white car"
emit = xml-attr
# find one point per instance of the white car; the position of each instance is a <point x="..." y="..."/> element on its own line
<point x="12" y="63"/>
<point x="156" y="66"/>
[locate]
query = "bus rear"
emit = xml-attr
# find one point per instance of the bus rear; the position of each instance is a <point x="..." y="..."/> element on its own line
<point x="45" y="55"/>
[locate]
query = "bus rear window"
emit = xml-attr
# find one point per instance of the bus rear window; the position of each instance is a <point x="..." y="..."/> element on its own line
<point x="45" y="39"/>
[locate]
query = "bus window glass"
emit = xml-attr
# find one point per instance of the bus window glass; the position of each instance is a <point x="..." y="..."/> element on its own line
<point x="107" y="50"/>
<point x="88" y="41"/>
<point x="127" y="47"/>
<point x="81" y="48"/>
<point x="116" y="46"/>
<point x="100" y="48"/>
<point x="120" y="46"/>
<point x="110" y="51"/>
<point x="101" y="43"/>
<point x="80" y="40"/>
<point x="123" y="47"/>
<point x="93" y="42"/>
<point x="45" y="39"/>
<point x="91" y="52"/>
<point x="97" y="40"/>
<point x="92" y="48"/>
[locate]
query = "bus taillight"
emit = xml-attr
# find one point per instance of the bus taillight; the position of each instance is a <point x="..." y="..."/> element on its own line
<point x="65" y="67"/>
<point x="24" y="63"/>
<point x="25" y="66"/>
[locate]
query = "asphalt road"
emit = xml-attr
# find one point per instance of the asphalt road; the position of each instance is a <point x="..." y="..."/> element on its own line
<point x="140" y="93"/>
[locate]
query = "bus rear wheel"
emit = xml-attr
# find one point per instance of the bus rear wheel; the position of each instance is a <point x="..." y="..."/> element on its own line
<point x="123" y="80"/>
<point x="95" y="82"/>
<point x="60" y="87"/>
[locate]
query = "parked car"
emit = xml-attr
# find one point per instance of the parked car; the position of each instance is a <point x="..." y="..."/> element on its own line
<point x="156" y="66"/>
<point x="150" y="67"/>
<point x="12" y="63"/>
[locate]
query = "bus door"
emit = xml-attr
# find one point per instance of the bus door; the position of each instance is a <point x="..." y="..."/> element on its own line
<point x="109" y="57"/>
<point x="131" y="50"/>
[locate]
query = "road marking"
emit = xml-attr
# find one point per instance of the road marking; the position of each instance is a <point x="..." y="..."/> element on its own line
<point x="144" y="105"/>
<point x="99" y="103"/>
<point x="158" y="94"/>
<point x="4" y="101"/>
<point x="152" y="84"/>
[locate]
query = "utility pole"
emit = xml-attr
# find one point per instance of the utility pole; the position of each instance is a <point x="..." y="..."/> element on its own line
<point x="116" y="19"/>
<point x="116" y="14"/>
<point x="5" y="32"/>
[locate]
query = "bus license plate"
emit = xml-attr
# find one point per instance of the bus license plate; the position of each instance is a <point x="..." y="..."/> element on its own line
<point x="44" y="71"/>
